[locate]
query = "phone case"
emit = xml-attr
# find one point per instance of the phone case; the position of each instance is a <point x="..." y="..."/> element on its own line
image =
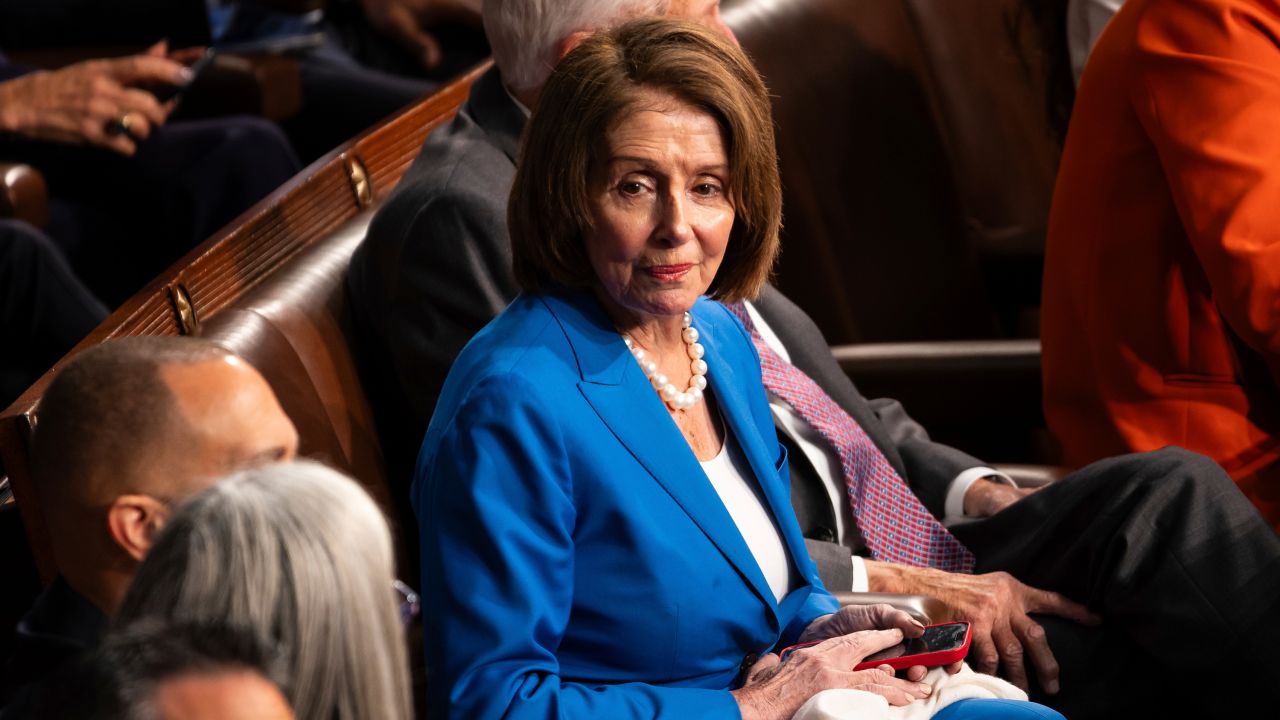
<point x="928" y="659"/>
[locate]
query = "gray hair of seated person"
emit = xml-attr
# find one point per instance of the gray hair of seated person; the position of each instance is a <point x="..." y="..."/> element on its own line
<point x="302" y="554"/>
<point x="525" y="35"/>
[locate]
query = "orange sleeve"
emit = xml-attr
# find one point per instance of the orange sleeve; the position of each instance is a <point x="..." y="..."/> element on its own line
<point x="1207" y="92"/>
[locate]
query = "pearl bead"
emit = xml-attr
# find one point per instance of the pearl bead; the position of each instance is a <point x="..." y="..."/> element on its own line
<point x="670" y="394"/>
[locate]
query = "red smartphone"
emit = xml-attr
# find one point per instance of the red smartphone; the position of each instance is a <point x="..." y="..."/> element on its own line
<point x="941" y="644"/>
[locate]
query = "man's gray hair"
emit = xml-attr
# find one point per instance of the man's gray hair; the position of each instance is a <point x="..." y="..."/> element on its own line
<point x="300" y="553"/>
<point x="525" y="35"/>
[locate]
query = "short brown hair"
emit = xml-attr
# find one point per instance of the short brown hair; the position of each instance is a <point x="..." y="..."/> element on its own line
<point x="587" y="95"/>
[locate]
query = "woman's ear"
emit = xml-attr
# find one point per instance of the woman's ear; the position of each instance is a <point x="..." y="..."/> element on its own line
<point x="134" y="521"/>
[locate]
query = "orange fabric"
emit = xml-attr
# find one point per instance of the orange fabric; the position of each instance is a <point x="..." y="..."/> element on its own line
<point x="1161" y="308"/>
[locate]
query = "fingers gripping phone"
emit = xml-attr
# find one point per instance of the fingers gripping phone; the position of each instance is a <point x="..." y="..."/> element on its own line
<point x="165" y="93"/>
<point x="941" y="644"/>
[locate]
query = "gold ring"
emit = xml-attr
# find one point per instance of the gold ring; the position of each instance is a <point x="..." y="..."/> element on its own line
<point x="126" y="121"/>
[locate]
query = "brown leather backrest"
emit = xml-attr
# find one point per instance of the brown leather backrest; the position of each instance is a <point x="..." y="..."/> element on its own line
<point x="912" y="142"/>
<point x="271" y="287"/>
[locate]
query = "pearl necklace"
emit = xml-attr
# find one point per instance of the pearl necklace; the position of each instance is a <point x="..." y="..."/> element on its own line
<point x="675" y="399"/>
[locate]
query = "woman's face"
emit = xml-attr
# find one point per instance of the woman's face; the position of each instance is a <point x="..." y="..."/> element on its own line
<point x="659" y="198"/>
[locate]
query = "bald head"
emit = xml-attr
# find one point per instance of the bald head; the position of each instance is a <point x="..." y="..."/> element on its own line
<point x="132" y="426"/>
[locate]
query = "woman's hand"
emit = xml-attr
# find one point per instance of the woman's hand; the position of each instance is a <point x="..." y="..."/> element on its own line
<point x="853" y="618"/>
<point x="775" y="690"/>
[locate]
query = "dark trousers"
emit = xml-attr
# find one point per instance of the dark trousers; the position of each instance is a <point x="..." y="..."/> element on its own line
<point x="44" y="309"/>
<point x="1182" y="568"/>
<point x="122" y="220"/>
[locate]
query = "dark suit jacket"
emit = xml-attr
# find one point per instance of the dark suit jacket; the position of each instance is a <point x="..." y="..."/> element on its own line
<point x="436" y="267"/>
<point x="436" y="264"/>
<point x="60" y="627"/>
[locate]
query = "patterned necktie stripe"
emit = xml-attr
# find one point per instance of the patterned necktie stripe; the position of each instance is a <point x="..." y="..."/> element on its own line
<point x="895" y="525"/>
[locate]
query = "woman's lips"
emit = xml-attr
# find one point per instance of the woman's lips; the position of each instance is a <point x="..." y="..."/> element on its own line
<point x="669" y="273"/>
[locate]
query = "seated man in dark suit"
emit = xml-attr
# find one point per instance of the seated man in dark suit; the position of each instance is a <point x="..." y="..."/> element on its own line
<point x="1155" y="544"/>
<point x="126" y="430"/>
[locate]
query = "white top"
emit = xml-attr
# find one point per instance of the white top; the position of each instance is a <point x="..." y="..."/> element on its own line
<point x="1085" y="21"/>
<point x="827" y="464"/>
<point x="731" y="476"/>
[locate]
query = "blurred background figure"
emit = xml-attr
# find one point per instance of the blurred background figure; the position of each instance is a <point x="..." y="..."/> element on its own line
<point x="44" y="308"/>
<point x="129" y="192"/>
<point x="299" y="553"/>
<point x="1160" y="316"/>
<point x="157" y="671"/>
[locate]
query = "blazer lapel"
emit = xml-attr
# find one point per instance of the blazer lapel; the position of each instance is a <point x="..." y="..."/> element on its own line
<point x="624" y="400"/>
<point x="728" y="386"/>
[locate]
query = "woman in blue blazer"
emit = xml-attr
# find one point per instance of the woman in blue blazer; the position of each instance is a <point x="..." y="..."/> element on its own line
<point x="606" y="521"/>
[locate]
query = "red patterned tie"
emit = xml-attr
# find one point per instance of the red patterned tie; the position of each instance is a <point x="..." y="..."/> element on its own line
<point x="893" y="522"/>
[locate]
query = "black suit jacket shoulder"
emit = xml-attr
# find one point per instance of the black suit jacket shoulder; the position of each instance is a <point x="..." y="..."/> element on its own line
<point x="435" y="265"/>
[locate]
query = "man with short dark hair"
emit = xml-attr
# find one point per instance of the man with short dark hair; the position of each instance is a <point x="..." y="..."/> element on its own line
<point x="126" y="430"/>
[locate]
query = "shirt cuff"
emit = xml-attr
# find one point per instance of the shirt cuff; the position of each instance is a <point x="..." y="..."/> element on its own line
<point x="954" y="506"/>
<point x="860" y="581"/>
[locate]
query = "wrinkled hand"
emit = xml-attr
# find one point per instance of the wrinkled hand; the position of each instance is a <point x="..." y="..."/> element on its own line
<point x="997" y="606"/>
<point x="855" y="618"/>
<point x="406" y="21"/>
<point x="77" y="104"/>
<point x="985" y="498"/>
<point x="775" y="690"/>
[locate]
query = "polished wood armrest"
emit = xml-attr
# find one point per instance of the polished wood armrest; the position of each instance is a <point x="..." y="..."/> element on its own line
<point x="23" y="194"/>
<point x="927" y="610"/>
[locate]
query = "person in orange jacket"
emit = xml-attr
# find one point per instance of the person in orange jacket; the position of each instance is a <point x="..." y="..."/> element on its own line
<point x="1161" y="308"/>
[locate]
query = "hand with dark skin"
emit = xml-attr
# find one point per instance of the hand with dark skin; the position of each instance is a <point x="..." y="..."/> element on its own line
<point x="407" y="22"/>
<point x="79" y="103"/>
<point x="997" y="607"/>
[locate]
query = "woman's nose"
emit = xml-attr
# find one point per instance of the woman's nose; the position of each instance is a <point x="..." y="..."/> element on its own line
<point x="675" y="228"/>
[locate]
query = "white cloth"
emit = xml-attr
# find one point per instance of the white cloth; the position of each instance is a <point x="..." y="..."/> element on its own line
<point x="827" y="464"/>
<point x="862" y="705"/>
<point x="733" y="481"/>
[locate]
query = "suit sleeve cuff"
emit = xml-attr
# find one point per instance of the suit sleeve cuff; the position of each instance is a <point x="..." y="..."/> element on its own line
<point x="955" y="493"/>
<point x="860" y="581"/>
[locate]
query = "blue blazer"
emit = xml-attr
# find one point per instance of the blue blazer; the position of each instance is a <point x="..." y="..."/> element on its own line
<point x="576" y="561"/>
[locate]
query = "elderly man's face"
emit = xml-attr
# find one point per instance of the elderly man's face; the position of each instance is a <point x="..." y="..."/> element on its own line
<point x="661" y="210"/>
<point x="706" y="12"/>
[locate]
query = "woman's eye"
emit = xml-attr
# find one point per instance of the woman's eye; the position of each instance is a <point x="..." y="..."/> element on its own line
<point x="706" y="189"/>
<point x="630" y="187"/>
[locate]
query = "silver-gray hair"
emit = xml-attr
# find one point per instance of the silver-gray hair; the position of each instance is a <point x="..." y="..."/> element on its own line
<point x="525" y="35"/>
<point x="302" y="554"/>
